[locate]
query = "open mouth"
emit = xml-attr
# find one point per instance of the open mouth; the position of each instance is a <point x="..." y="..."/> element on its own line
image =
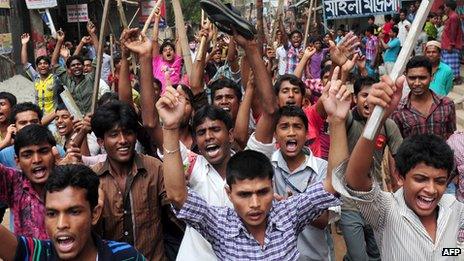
<point x="61" y="128"/>
<point x="425" y="202"/>
<point x="65" y="243"/>
<point x="291" y="145"/>
<point x="227" y="109"/>
<point x="123" y="150"/>
<point x="212" y="150"/>
<point x="39" y="172"/>
<point x="290" y="103"/>
<point x="255" y="216"/>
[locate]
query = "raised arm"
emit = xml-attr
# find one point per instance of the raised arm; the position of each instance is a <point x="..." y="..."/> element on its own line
<point x="387" y="95"/>
<point x="56" y="52"/>
<point x="24" y="41"/>
<point x="9" y="244"/>
<point x="171" y="110"/>
<point x="140" y="44"/>
<point x="155" y="44"/>
<point x="124" y="84"/>
<point x="198" y="67"/>
<point x="85" y="40"/>
<point x="264" y="87"/>
<point x="308" y="53"/>
<point x="337" y="101"/>
<point x="243" y="115"/>
<point x="92" y="30"/>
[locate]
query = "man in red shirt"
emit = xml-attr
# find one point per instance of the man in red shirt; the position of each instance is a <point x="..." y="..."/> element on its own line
<point x="451" y="40"/>
<point x="387" y="27"/>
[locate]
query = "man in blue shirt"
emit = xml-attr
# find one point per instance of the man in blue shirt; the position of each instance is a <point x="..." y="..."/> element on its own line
<point x="72" y="208"/>
<point x="392" y="49"/>
<point x="442" y="74"/>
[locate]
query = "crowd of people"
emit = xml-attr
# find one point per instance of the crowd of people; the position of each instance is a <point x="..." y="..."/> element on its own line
<point x="257" y="153"/>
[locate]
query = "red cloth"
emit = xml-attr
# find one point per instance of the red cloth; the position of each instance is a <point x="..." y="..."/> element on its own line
<point x="452" y="34"/>
<point x="314" y="130"/>
<point x="387" y="27"/>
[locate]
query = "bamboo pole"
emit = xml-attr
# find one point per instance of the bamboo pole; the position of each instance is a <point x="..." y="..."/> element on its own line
<point x="308" y="22"/>
<point x="122" y="16"/>
<point x="96" y="84"/>
<point x="112" y="58"/>
<point x="202" y="46"/>
<point x="133" y="18"/>
<point x="180" y="26"/>
<point x="150" y="17"/>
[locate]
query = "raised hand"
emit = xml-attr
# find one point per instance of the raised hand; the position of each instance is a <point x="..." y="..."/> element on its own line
<point x="91" y="28"/>
<point x="171" y="107"/>
<point x="336" y="98"/>
<point x="270" y="53"/>
<point x="361" y="62"/>
<point x="350" y="63"/>
<point x="309" y="51"/>
<point x="340" y="53"/>
<point x="60" y="35"/>
<point x="136" y="42"/>
<point x="25" y="38"/>
<point x="86" y="40"/>
<point x="65" y="52"/>
<point x="387" y="94"/>
<point x="73" y="155"/>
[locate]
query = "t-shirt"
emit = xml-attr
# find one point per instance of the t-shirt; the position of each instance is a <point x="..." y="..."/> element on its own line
<point x="391" y="54"/>
<point x="442" y="80"/>
<point x="33" y="249"/>
<point x="160" y="66"/>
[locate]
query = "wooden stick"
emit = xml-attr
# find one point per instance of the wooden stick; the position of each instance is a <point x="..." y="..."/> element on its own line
<point x="277" y="21"/>
<point x="133" y="18"/>
<point x="180" y="26"/>
<point x="96" y="84"/>
<point x="122" y="15"/>
<point x="375" y="119"/>
<point x="202" y="46"/>
<point x="112" y="60"/>
<point x="308" y="22"/>
<point x="150" y="17"/>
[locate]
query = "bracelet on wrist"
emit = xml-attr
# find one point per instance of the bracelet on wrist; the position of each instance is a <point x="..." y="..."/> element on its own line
<point x="168" y="152"/>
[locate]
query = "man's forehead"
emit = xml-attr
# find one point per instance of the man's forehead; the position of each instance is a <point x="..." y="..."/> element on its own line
<point x="27" y="114"/>
<point x="34" y="147"/>
<point x="289" y="120"/>
<point x="252" y="185"/>
<point x="209" y="123"/>
<point x="66" y="198"/>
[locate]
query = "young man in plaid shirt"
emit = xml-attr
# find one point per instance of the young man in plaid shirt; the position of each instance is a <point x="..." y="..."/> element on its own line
<point x="422" y="111"/>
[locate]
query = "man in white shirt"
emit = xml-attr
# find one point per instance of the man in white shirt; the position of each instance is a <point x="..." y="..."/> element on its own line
<point x="403" y="27"/>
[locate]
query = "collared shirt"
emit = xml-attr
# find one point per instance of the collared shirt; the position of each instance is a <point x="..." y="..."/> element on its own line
<point x="312" y="243"/>
<point x="135" y="215"/>
<point x="398" y="231"/>
<point x="288" y="58"/>
<point x="82" y="92"/>
<point x="45" y="89"/>
<point x="25" y="203"/>
<point x="174" y="66"/>
<point x="33" y="249"/>
<point x="202" y="178"/>
<point x="391" y="54"/>
<point x="224" y="229"/>
<point x="442" y="80"/>
<point x="440" y="121"/>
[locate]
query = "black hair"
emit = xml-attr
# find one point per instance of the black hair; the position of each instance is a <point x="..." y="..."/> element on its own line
<point x="9" y="97"/>
<point x="86" y="58"/>
<point x="157" y="82"/>
<point x="248" y="164"/>
<point x="72" y="58"/>
<point x="61" y="107"/>
<point x="429" y="149"/>
<point x="419" y="61"/>
<point x="114" y="113"/>
<point x="451" y="4"/>
<point x="387" y="17"/>
<point x="107" y="97"/>
<point x="370" y="29"/>
<point x="362" y="82"/>
<point x="294" y="32"/>
<point x="75" y="176"/>
<point x="167" y="43"/>
<point x="33" y="134"/>
<point x="371" y="17"/>
<point x="44" y="58"/>
<point x="403" y="11"/>
<point x="292" y="111"/>
<point x="225" y="83"/>
<point x="213" y="113"/>
<point x="293" y="80"/>
<point x="395" y="30"/>
<point x="22" y="107"/>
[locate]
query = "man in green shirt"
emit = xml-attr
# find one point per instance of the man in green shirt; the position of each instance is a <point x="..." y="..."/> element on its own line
<point x="442" y="74"/>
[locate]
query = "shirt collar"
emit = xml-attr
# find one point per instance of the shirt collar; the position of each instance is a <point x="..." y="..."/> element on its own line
<point x="137" y="162"/>
<point x="310" y="162"/>
<point x="406" y="102"/>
